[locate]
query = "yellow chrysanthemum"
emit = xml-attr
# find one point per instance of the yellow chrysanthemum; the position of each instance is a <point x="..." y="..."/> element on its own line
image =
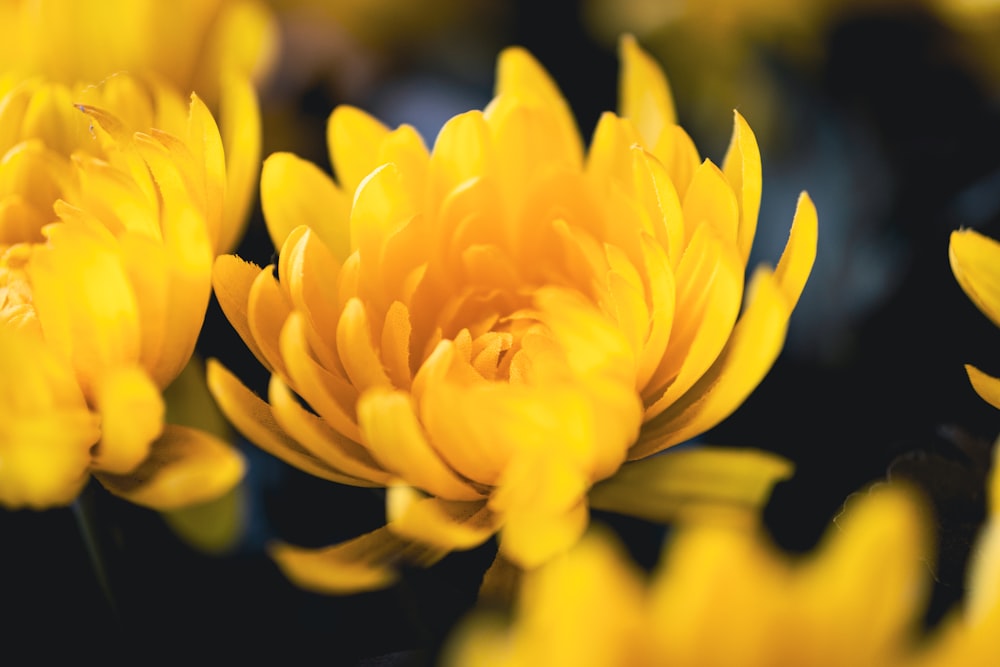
<point x="107" y="237"/>
<point x="490" y="328"/>
<point x="975" y="261"/>
<point x="193" y="44"/>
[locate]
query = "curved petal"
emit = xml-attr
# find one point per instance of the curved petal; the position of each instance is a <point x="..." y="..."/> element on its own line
<point x="687" y="483"/>
<point x="253" y="418"/>
<point x="354" y="139"/>
<point x="446" y="524"/>
<point x="296" y="192"/>
<point x="644" y="95"/>
<point x="366" y="563"/>
<point x="986" y="386"/>
<point x="185" y="467"/>
<point x="799" y="254"/>
<point x="232" y="279"/>
<point x="390" y="428"/>
<point x="743" y="171"/>
<point x="974" y="260"/>
<point x="240" y="123"/>
<point x="131" y="410"/>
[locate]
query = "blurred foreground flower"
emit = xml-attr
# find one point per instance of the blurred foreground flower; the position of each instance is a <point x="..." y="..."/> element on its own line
<point x="491" y="328"/>
<point x="975" y="261"/>
<point x="114" y="200"/>
<point x="727" y="597"/>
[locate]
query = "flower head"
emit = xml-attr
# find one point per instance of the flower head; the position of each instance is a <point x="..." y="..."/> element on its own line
<point x="975" y="261"/>
<point x="113" y="204"/>
<point x="491" y="327"/>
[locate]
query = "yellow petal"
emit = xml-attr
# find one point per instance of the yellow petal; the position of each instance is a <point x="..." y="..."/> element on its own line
<point x="522" y="78"/>
<point x="323" y="442"/>
<point x="529" y="538"/>
<point x="354" y="139"/>
<point x="185" y="467"/>
<point x="46" y="430"/>
<point x="205" y="142"/>
<point x="365" y="563"/>
<point x="232" y="279"/>
<point x="644" y="94"/>
<point x="239" y="118"/>
<point x="84" y="301"/>
<point x="710" y="199"/>
<point x="743" y="171"/>
<point x="267" y="310"/>
<point x="214" y="527"/>
<point x="296" y="192"/>
<point x="986" y="386"/>
<point x="797" y="259"/>
<point x="330" y="395"/>
<point x="446" y="524"/>
<point x="357" y="350"/>
<point x="131" y="410"/>
<point x="868" y="582"/>
<point x="390" y="428"/>
<point x="253" y="418"/>
<point x="687" y="482"/>
<point x="974" y="260"/>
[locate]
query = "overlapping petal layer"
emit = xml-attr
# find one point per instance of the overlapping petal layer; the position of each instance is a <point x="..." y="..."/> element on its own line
<point x="114" y="201"/>
<point x="502" y="321"/>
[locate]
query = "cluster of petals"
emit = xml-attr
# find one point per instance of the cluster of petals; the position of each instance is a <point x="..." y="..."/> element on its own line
<point x="114" y="200"/>
<point x="725" y="596"/>
<point x="490" y="328"/>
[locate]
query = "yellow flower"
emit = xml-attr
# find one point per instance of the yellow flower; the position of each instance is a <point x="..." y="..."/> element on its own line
<point x="975" y="261"/>
<point x="490" y="328"/>
<point x="722" y="597"/>
<point x="192" y="44"/>
<point x="107" y="237"/>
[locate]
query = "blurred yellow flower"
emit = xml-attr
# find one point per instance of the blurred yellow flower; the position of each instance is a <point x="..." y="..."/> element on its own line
<point x="114" y="200"/>
<point x="192" y="44"/>
<point x="490" y="328"/>
<point x="722" y="597"/>
<point x="975" y="261"/>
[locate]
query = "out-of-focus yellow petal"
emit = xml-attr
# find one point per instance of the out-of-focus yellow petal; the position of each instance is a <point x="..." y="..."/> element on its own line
<point x="295" y="192"/>
<point x="131" y="410"/>
<point x="974" y="260"/>
<point x="185" y="466"/>
<point x="239" y="118"/>
<point x="364" y="563"/>
<point x="987" y="386"/>
<point x="867" y="585"/>
<point x="690" y="482"/>
<point x="531" y="538"/>
<point x="644" y="95"/>
<point x="46" y="430"/>
<point x="84" y="300"/>
<point x="447" y="524"/>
